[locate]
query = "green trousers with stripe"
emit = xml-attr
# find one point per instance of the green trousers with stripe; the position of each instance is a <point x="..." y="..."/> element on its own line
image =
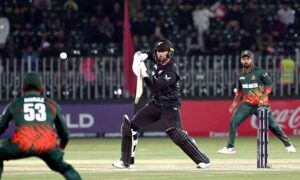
<point x="242" y="113"/>
<point x="53" y="158"/>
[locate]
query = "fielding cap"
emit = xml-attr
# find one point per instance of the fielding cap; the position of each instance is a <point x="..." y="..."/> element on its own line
<point x="247" y="53"/>
<point x="32" y="80"/>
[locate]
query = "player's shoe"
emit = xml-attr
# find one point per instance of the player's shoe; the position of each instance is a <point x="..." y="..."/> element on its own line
<point x="203" y="165"/>
<point x="119" y="164"/>
<point x="290" y="148"/>
<point x="226" y="150"/>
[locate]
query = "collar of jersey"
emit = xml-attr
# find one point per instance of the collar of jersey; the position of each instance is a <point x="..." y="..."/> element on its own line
<point x="164" y="66"/>
<point x="30" y="93"/>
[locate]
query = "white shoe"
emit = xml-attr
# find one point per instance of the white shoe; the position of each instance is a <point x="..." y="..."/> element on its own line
<point x="290" y="149"/>
<point x="226" y="150"/>
<point x="203" y="165"/>
<point x="119" y="164"/>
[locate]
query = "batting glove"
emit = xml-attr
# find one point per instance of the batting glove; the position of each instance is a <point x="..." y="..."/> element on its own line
<point x="139" y="56"/>
<point x="137" y="59"/>
<point x="143" y="70"/>
<point x="136" y="63"/>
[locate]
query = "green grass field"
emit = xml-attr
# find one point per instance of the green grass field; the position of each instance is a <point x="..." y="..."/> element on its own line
<point x="160" y="159"/>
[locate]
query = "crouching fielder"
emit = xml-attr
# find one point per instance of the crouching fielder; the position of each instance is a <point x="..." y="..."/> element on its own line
<point x="34" y="135"/>
<point x="164" y="105"/>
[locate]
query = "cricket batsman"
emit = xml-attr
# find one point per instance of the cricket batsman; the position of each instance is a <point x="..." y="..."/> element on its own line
<point x="34" y="117"/>
<point x="254" y="85"/>
<point x="164" y="105"/>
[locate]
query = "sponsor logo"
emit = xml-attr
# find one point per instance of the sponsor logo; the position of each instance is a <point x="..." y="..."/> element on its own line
<point x="296" y="132"/>
<point x="250" y="86"/>
<point x="167" y="77"/>
<point x="85" y="120"/>
<point x="285" y="118"/>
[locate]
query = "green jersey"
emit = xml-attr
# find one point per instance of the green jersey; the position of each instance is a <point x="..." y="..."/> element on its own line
<point x="253" y="84"/>
<point x="34" y="117"/>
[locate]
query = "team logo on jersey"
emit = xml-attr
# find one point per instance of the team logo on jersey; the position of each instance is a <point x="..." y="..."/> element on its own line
<point x="253" y="78"/>
<point x="167" y="77"/>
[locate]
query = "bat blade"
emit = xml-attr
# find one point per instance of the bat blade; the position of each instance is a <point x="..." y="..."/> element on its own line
<point x="139" y="89"/>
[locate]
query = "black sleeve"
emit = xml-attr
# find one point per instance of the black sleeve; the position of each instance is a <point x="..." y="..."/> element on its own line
<point x="61" y="127"/>
<point x="240" y="85"/>
<point x="162" y="81"/>
<point x="239" y="91"/>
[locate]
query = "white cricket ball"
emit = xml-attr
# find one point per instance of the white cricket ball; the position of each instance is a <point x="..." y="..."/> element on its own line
<point x="235" y="90"/>
<point x="63" y="55"/>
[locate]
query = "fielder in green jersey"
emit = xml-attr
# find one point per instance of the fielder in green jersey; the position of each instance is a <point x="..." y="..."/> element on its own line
<point x="34" y="117"/>
<point x="254" y="85"/>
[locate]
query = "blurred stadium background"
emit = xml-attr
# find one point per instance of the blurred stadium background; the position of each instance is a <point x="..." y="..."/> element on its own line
<point x="95" y="86"/>
<point x="94" y="82"/>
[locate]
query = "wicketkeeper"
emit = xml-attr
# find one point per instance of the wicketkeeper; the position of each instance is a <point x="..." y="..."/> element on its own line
<point x="254" y="85"/>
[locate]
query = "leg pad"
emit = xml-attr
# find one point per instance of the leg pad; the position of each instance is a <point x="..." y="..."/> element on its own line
<point x="129" y="142"/>
<point x="187" y="144"/>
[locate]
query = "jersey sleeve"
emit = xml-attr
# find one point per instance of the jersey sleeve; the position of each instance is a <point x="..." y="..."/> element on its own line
<point x="61" y="127"/>
<point x="6" y="117"/>
<point x="162" y="81"/>
<point x="239" y="91"/>
<point x="267" y="81"/>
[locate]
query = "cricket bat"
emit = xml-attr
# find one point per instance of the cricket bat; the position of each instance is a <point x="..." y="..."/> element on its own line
<point x="139" y="88"/>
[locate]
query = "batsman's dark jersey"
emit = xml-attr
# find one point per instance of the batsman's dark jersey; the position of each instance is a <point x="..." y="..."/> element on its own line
<point x="164" y="86"/>
<point x="165" y="101"/>
<point x="253" y="84"/>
